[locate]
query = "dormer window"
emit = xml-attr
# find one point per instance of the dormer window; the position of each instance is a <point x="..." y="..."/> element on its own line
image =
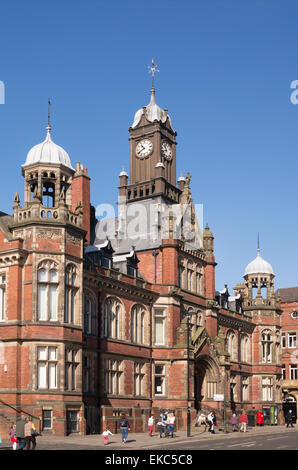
<point x="106" y="262"/>
<point x="131" y="271"/>
<point x="132" y="264"/>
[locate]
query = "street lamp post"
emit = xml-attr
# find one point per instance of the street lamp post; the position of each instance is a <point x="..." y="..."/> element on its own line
<point x="188" y="314"/>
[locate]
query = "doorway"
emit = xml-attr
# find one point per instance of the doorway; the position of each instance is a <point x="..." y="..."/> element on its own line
<point x="289" y="403"/>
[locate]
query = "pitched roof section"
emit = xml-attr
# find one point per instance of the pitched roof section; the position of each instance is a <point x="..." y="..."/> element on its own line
<point x="289" y="294"/>
<point x="5" y="221"/>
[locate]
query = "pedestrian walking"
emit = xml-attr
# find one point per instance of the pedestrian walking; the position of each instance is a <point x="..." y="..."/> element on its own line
<point x="20" y="432"/>
<point x="234" y="422"/>
<point x="106" y="435"/>
<point x="164" y="417"/>
<point x="12" y="437"/>
<point x="161" y="427"/>
<point x="171" y="424"/>
<point x="124" y="427"/>
<point x="290" y="419"/>
<point x="243" y="420"/>
<point x="214" y="423"/>
<point x="150" y="425"/>
<point x="29" y="434"/>
<point x="211" y="422"/>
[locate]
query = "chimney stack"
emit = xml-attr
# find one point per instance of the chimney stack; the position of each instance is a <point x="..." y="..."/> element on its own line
<point x="81" y="192"/>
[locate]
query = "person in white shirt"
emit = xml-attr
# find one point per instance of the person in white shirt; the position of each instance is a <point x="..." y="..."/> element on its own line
<point x="171" y="424"/>
<point x="151" y="424"/>
<point x="210" y="421"/>
<point x="106" y="434"/>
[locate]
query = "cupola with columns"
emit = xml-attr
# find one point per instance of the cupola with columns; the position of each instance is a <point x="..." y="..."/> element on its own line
<point x="54" y="191"/>
<point x="258" y="276"/>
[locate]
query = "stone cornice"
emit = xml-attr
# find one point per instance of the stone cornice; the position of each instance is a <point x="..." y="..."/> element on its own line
<point x="235" y="323"/>
<point x="111" y="284"/>
<point x="12" y="257"/>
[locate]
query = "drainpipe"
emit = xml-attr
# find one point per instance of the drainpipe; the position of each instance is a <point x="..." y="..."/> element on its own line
<point x="98" y="347"/>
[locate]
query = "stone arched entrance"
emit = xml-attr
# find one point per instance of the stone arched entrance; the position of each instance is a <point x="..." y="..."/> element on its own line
<point x="290" y="403"/>
<point x="207" y="378"/>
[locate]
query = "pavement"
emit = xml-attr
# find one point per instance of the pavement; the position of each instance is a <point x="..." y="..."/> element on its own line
<point x="142" y="441"/>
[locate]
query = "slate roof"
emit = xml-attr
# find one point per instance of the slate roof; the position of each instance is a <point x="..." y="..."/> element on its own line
<point x="289" y="294"/>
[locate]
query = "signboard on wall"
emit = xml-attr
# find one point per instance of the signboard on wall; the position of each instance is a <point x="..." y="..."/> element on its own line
<point x="218" y="397"/>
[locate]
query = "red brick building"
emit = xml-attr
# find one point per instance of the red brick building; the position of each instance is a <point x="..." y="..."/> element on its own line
<point x="93" y="315"/>
<point x="289" y="305"/>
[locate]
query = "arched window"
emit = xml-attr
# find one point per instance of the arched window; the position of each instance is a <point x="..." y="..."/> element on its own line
<point x="232" y="345"/>
<point x="266" y="343"/>
<point x="112" y="318"/>
<point x="189" y="277"/>
<point x="199" y="287"/>
<point x="245" y="349"/>
<point x="70" y="294"/>
<point x="137" y="324"/>
<point x="47" y="292"/>
<point x="88" y="313"/>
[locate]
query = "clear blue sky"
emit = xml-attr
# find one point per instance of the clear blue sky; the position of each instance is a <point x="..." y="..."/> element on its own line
<point x="225" y="72"/>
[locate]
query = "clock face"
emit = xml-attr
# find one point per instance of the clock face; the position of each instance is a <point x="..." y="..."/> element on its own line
<point x="166" y="150"/>
<point x="144" y="148"/>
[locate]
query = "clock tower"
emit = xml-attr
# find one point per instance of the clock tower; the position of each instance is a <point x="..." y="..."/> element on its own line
<point x="152" y="156"/>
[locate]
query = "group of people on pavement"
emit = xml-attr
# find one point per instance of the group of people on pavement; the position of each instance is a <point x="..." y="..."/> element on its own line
<point x="242" y="421"/>
<point x="22" y="435"/>
<point x="208" y="421"/>
<point x="165" y="425"/>
<point x="211" y="422"/>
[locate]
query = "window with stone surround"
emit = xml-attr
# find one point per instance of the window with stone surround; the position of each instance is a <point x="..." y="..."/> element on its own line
<point x="139" y="374"/>
<point x="89" y="317"/>
<point x="232" y="345"/>
<point x="159" y="379"/>
<point x="112" y="318"/>
<point x="245" y="349"/>
<point x="112" y="376"/>
<point x="159" y="326"/>
<point x="283" y="372"/>
<point x="211" y="388"/>
<point x="47" y="291"/>
<point x="180" y="274"/>
<point x="245" y="388"/>
<point x="71" y="368"/>
<point x="283" y="340"/>
<point x="292" y="340"/>
<point x="267" y="388"/>
<point x="139" y="325"/>
<point x="47" y="367"/>
<point x="293" y="372"/>
<point x="2" y="296"/>
<point x="266" y="345"/>
<point x="189" y="279"/>
<point x="47" y="419"/>
<point x="233" y="388"/>
<point x="71" y="290"/>
<point x="199" y="287"/>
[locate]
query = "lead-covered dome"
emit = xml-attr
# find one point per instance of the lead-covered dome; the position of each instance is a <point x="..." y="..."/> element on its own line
<point x="48" y="152"/>
<point x="153" y="112"/>
<point x="258" y="266"/>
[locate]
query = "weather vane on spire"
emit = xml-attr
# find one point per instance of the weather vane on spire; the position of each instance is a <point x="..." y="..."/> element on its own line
<point x="152" y="69"/>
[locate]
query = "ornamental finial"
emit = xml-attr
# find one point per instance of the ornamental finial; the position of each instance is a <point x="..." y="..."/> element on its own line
<point x="49" y="117"/>
<point x="152" y="69"/>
